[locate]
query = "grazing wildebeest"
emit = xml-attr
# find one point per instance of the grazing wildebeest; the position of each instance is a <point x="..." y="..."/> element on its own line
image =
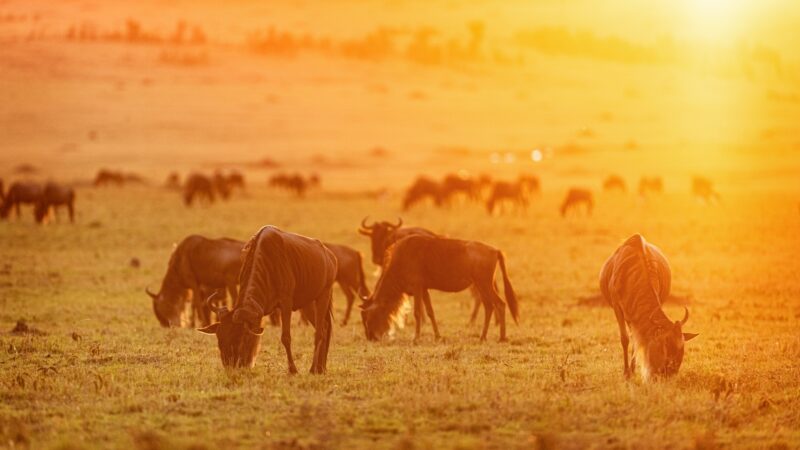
<point x="284" y="272"/>
<point x="349" y="275"/>
<point x="197" y="264"/>
<point x="422" y="188"/>
<point x="294" y="183"/>
<point x="614" y="182"/>
<point x="107" y="177"/>
<point x="454" y="185"/>
<point x="516" y="193"/>
<point x="703" y="189"/>
<point x="576" y="197"/>
<point x="198" y="186"/>
<point x="419" y="263"/>
<point x="20" y="193"/>
<point x="636" y="280"/>
<point x="648" y="185"/>
<point x="173" y="181"/>
<point x="221" y="185"/>
<point x="383" y="234"/>
<point x="236" y="180"/>
<point x="54" y="196"/>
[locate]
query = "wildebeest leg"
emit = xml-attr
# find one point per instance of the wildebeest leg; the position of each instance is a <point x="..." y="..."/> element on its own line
<point x="351" y="298"/>
<point x="476" y="308"/>
<point x="234" y="294"/>
<point x="487" y="318"/>
<point x="71" y="210"/>
<point x="417" y="317"/>
<point x="493" y="301"/>
<point x="322" y="337"/>
<point x="286" y="337"/>
<point x="623" y="337"/>
<point x="426" y="297"/>
<point x="17" y="209"/>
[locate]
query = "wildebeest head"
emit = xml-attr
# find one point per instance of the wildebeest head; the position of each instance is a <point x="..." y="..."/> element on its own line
<point x="372" y="328"/>
<point x="663" y="355"/>
<point x="167" y="312"/>
<point x="238" y="338"/>
<point x="378" y="233"/>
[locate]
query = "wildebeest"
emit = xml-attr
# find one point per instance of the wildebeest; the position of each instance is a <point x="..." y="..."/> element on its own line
<point x="198" y="186"/>
<point x="221" y="185"/>
<point x="384" y="234"/>
<point x="285" y="272"/>
<point x="2" y="191"/>
<point x="106" y="177"/>
<point x="198" y="264"/>
<point x="423" y="188"/>
<point x="173" y="181"/>
<point x="419" y="263"/>
<point x="614" y="182"/>
<point x="54" y="196"/>
<point x="455" y="185"/>
<point x="516" y="192"/>
<point x="236" y="180"/>
<point x="703" y="189"/>
<point x="20" y="193"/>
<point x="648" y="185"/>
<point x="294" y="183"/>
<point x="576" y="197"/>
<point x="636" y="280"/>
<point x="349" y="275"/>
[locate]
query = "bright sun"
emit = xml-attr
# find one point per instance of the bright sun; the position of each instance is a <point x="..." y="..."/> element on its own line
<point x="714" y="19"/>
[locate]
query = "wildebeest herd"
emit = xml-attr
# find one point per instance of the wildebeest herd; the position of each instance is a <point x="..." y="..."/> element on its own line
<point x="228" y="287"/>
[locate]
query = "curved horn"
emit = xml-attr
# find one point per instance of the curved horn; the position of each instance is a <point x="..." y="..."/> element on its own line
<point x="217" y="310"/>
<point x="685" y="316"/>
<point x="364" y="224"/>
<point x="399" y="222"/>
<point x="152" y="295"/>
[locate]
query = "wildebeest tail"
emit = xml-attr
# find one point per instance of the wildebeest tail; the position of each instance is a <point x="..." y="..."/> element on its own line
<point x="511" y="297"/>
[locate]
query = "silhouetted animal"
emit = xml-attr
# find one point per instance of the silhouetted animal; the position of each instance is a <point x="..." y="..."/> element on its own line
<point x="236" y="180"/>
<point x="284" y="272"/>
<point x="454" y="185"/>
<point x="636" y="280"/>
<point x="384" y="234"/>
<point x="173" y="181"/>
<point x="349" y="275"/>
<point x="422" y="189"/>
<point x="703" y="189"/>
<point x="221" y="185"/>
<point x="576" y="197"/>
<point x="198" y="264"/>
<point x="648" y="185"/>
<point x="419" y="263"/>
<point x="20" y="193"/>
<point x="516" y="193"/>
<point x="614" y="182"/>
<point x="294" y="183"/>
<point x="106" y="177"/>
<point x="198" y="186"/>
<point x="54" y="196"/>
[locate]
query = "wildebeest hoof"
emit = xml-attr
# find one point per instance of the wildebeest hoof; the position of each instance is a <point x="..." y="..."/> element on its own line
<point x="292" y="370"/>
<point x="503" y="339"/>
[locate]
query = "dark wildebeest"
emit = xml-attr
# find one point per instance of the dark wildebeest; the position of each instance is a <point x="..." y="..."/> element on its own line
<point x="221" y="185"/>
<point x="516" y="193"/>
<point x="285" y="272"/>
<point x="349" y="275"/>
<point x="236" y="180"/>
<point x="636" y="280"/>
<point x="54" y="196"/>
<point x="648" y="185"/>
<point x="173" y="181"/>
<point x="419" y="263"/>
<point x="107" y="177"/>
<point x="454" y="185"/>
<point x="294" y="183"/>
<point x="20" y="193"/>
<point x="197" y="264"/>
<point x="614" y="182"/>
<point x="703" y="189"/>
<point x="576" y="197"/>
<point x="422" y="188"/>
<point x="383" y="234"/>
<point x="198" y="186"/>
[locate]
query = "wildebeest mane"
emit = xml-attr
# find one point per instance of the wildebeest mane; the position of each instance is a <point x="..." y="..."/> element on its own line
<point x="639" y="277"/>
<point x="388" y="295"/>
<point x="265" y="275"/>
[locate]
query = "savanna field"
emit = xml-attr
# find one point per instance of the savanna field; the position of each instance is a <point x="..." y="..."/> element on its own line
<point x="369" y="96"/>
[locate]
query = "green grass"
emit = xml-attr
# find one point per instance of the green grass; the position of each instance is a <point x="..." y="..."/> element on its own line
<point x="105" y="375"/>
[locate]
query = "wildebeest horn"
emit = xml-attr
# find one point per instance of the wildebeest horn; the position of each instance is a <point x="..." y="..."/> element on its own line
<point x="399" y="222"/>
<point x="147" y="290"/>
<point x="364" y="224"/>
<point x="218" y="311"/>
<point x="685" y="316"/>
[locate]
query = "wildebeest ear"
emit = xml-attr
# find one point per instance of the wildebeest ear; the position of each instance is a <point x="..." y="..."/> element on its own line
<point x="211" y="329"/>
<point x="689" y="336"/>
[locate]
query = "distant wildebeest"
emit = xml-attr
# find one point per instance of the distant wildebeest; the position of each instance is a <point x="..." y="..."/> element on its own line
<point x="636" y="281"/>
<point x="423" y="188"/>
<point x="349" y="275"/>
<point x="294" y="183"/>
<point x="419" y="263"/>
<point x="236" y="180"/>
<point x="106" y="177"/>
<point x="614" y="182"/>
<point x="54" y="196"/>
<point x="383" y="234"/>
<point x="576" y="197"/>
<point x="20" y="193"/>
<point x="281" y="272"/>
<point x="516" y="193"/>
<point x="221" y="185"/>
<point x="198" y="186"/>
<point x="198" y="264"/>
<point x="173" y="181"/>
<point x="648" y="185"/>
<point x="703" y="189"/>
<point x="455" y="185"/>
<point x="314" y="181"/>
